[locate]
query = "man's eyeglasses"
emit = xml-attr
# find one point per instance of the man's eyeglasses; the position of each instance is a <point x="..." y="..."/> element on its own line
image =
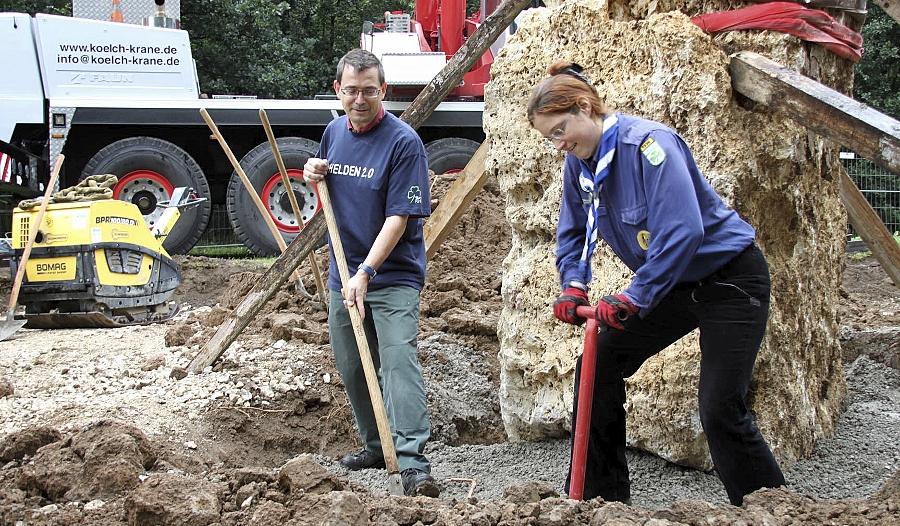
<point x="368" y="93"/>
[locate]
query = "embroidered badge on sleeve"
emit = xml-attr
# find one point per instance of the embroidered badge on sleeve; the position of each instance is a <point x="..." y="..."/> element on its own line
<point x="653" y="152"/>
<point x="414" y="195"/>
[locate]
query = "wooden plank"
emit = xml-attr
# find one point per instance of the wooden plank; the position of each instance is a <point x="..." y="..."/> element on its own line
<point x="870" y="228"/>
<point x="265" y="288"/>
<point x="891" y="7"/>
<point x="869" y="133"/>
<point x="452" y="73"/>
<point x="823" y="110"/>
<point x="455" y="202"/>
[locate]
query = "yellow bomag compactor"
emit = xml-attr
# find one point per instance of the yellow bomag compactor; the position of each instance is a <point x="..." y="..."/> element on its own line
<point x="97" y="264"/>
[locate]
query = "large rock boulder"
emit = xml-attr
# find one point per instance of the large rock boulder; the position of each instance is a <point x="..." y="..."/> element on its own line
<point x="780" y="178"/>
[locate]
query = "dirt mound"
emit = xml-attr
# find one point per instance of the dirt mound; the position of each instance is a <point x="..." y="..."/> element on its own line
<point x="302" y="492"/>
<point x="869" y="313"/>
<point x="103" y="460"/>
<point x="27" y="442"/>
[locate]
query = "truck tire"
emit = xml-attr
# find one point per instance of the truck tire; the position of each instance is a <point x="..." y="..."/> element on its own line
<point x="449" y="155"/>
<point x="262" y="171"/>
<point x="149" y="169"/>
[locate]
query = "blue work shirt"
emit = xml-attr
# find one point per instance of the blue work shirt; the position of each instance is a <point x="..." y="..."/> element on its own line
<point x="374" y="174"/>
<point x="657" y="212"/>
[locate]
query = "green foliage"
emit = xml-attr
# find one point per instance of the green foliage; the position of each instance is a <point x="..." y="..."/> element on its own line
<point x="877" y="74"/>
<point x="226" y="252"/>
<point x="863" y="254"/>
<point x="53" y="7"/>
<point x="285" y="49"/>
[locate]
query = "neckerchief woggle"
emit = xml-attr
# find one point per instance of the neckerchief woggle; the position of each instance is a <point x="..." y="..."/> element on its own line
<point x="592" y="183"/>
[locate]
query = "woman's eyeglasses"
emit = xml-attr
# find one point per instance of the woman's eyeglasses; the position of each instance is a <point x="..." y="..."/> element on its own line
<point x="558" y="134"/>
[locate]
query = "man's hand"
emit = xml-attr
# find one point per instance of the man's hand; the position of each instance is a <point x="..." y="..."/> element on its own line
<point x="355" y="292"/>
<point x="315" y="169"/>
<point x="613" y="310"/>
<point x="564" y="306"/>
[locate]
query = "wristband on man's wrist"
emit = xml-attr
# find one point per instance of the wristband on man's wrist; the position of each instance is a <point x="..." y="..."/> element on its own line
<point x="367" y="269"/>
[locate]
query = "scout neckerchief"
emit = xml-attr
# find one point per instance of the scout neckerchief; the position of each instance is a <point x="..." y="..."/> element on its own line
<point x="592" y="183"/>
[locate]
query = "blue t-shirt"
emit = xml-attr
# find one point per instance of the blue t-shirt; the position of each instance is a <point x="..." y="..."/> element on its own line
<point x="657" y="212"/>
<point x="372" y="175"/>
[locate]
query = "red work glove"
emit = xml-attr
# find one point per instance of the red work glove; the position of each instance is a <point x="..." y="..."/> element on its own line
<point x="564" y="306"/>
<point x="613" y="310"/>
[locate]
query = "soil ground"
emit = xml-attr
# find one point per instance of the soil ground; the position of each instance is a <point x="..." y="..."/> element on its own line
<point x="103" y="426"/>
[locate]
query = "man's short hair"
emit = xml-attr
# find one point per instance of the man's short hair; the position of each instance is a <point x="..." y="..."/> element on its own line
<point x="360" y="60"/>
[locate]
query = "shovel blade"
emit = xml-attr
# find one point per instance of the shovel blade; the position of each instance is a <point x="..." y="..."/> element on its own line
<point x="10" y="326"/>
<point x="395" y="485"/>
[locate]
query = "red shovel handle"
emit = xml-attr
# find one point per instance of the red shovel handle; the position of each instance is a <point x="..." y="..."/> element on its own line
<point x="585" y="399"/>
<point x="587" y="312"/>
<point x="590" y="313"/>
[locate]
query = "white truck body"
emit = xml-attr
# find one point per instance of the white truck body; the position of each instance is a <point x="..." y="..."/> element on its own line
<point x="109" y="94"/>
<point x="90" y="59"/>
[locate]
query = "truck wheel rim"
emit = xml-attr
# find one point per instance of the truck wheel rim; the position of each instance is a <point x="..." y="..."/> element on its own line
<point x="275" y="198"/>
<point x="144" y="189"/>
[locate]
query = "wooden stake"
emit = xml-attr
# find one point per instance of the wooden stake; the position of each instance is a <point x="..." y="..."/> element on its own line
<point x="317" y="273"/>
<point x="362" y="344"/>
<point x="891" y="7"/>
<point x="870" y="228"/>
<point x="823" y="110"/>
<point x="267" y="218"/>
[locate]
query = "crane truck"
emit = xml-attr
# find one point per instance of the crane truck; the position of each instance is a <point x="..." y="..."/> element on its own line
<point x="124" y="99"/>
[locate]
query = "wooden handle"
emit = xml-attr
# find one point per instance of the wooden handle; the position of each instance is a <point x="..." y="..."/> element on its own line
<point x="384" y="430"/>
<point x="317" y="273"/>
<point x="249" y="186"/>
<point x="32" y="234"/>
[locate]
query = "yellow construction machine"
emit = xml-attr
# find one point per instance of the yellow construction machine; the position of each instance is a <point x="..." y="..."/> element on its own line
<point x="97" y="264"/>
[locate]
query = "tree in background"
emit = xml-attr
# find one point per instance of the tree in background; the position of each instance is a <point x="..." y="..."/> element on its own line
<point x="877" y="83"/>
<point x="32" y="7"/>
<point x="285" y="49"/>
<point x="877" y="75"/>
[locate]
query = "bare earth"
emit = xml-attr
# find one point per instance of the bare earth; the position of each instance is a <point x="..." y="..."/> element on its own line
<point x="103" y="426"/>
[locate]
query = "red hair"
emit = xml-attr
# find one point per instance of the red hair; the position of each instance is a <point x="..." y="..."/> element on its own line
<point x="561" y="91"/>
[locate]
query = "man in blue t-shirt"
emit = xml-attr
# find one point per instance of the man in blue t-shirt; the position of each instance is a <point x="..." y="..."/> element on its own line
<point x="377" y="176"/>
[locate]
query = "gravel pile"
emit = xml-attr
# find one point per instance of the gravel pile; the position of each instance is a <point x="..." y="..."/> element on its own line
<point x="75" y="377"/>
<point x="864" y="452"/>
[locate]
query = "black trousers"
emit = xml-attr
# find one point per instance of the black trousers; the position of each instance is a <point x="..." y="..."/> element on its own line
<point x="731" y="308"/>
